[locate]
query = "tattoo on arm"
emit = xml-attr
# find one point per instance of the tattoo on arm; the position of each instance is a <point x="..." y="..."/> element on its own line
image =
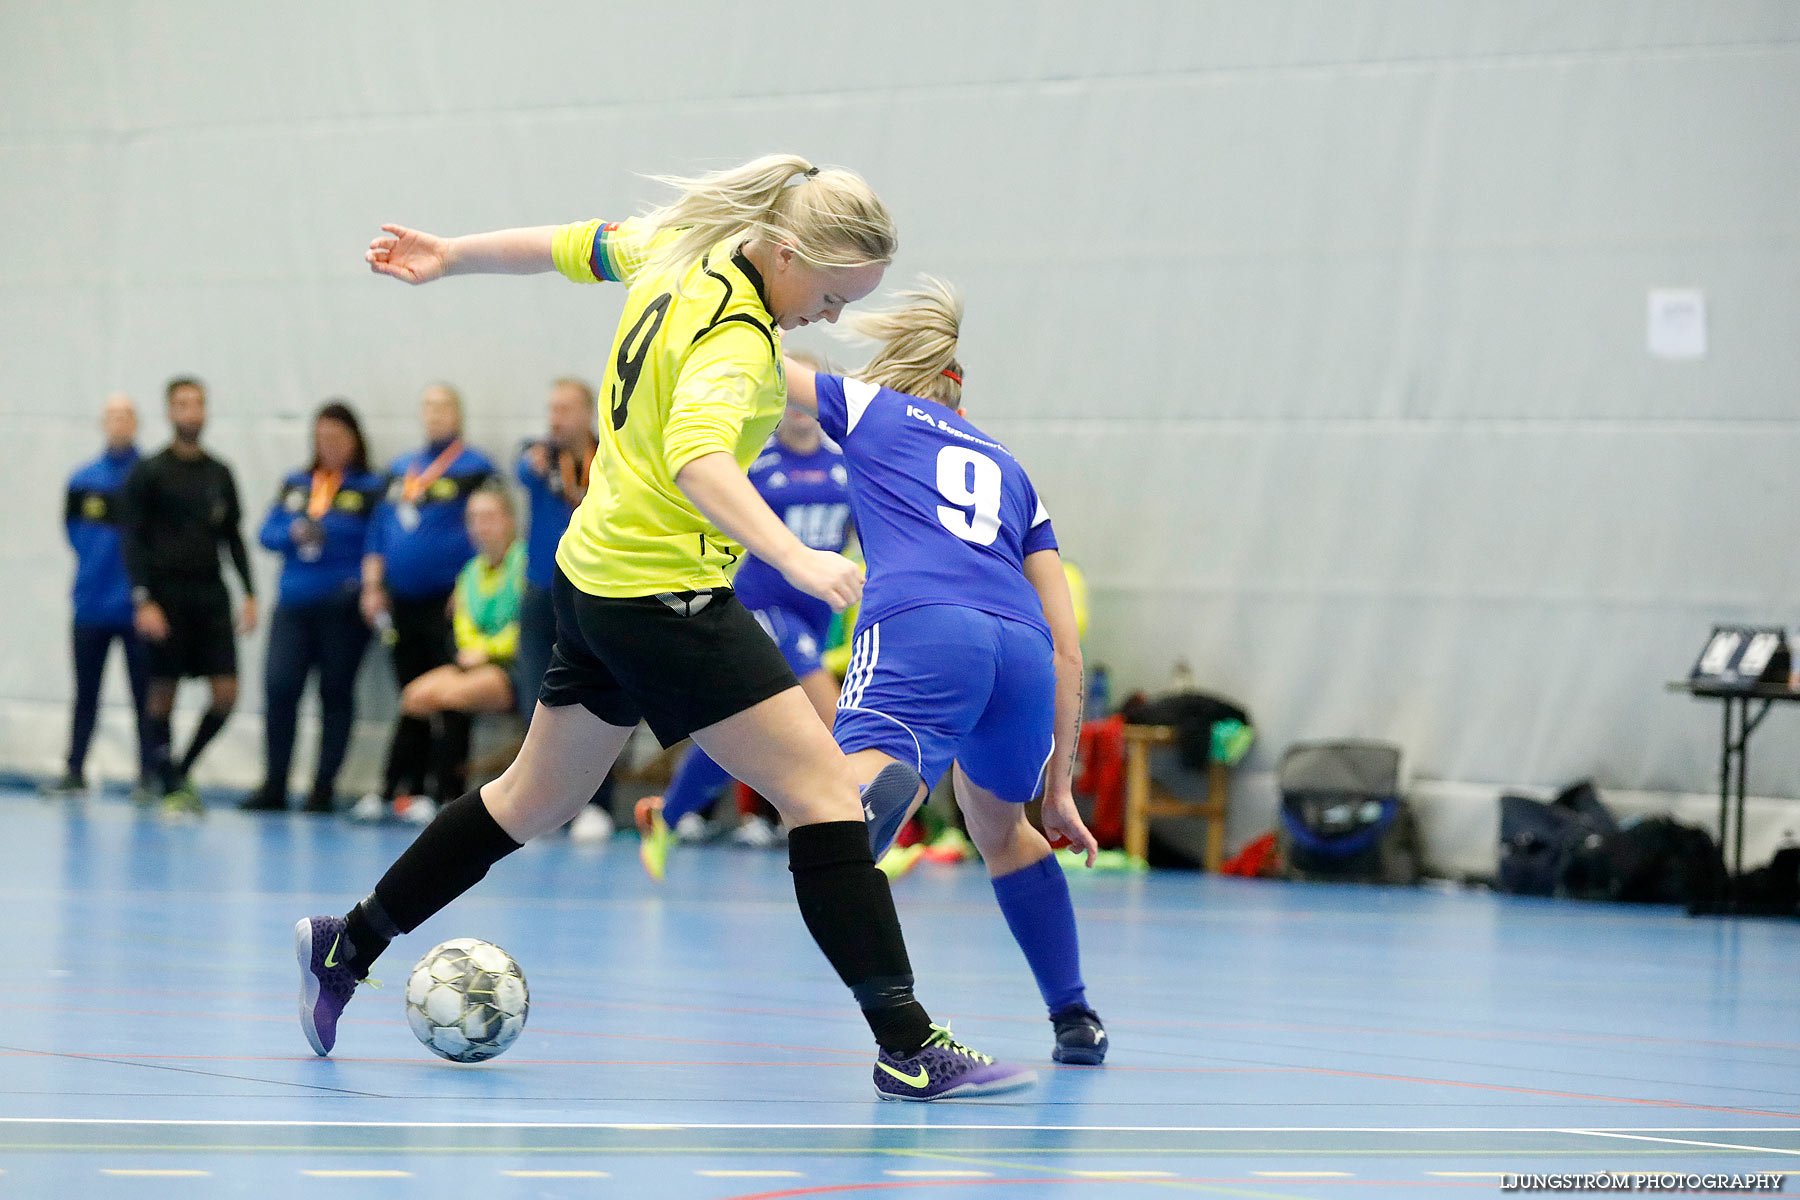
<point x="1075" y="740"/>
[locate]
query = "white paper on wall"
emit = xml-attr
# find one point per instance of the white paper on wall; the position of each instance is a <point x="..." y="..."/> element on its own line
<point x="1677" y="323"/>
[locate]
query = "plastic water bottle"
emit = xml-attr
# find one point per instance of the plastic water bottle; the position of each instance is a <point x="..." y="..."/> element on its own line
<point x="1098" y="701"/>
<point x="384" y="627"/>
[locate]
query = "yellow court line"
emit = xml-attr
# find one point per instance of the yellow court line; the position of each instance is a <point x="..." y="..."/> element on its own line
<point x="749" y="1174"/>
<point x="160" y="1173"/>
<point x="359" y="1174"/>
<point x="558" y="1174"/>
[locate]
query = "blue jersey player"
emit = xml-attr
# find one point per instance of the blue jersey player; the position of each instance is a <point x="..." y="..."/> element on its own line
<point x="801" y="475"/>
<point x="965" y="650"/>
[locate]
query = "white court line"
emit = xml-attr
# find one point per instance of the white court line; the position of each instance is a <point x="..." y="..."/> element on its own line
<point x="558" y="1174"/>
<point x="160" y="1173"/>
<point x="1304" y="1174"/>
<point x="1640" y="1137"/>
<point x="639" y="1126"/>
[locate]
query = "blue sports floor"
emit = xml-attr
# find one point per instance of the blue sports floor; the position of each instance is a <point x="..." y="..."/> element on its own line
<point x="1269" y="1040"/>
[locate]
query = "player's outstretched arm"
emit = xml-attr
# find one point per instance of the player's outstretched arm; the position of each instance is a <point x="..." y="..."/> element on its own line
<point x="414" y="256"/>
<point x="1044" y="570"/>
<point x="803" y="391"/>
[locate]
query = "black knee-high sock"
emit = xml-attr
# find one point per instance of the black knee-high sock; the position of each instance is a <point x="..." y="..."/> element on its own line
<point x="850" y="912"/>
<point x="161" y="752"/>
<point x="211" y="721"/>
<point x="450" y="856"/>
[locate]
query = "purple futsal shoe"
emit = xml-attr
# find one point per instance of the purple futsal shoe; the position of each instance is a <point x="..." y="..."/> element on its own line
<point x="945" y="1068"/>
<point x="326" y="981"/>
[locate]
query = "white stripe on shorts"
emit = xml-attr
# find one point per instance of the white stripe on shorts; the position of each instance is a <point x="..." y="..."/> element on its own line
<point x="863" y="658"/>
<point x="850" y="670"/>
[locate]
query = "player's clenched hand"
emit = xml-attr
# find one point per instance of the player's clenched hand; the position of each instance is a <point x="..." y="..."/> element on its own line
<point x="831" y="577"/>
<point x="1062" y="822"/>
<point x="408" y="255"/>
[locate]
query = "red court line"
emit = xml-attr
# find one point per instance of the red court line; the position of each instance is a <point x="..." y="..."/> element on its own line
<point x="416" y="1060"/>
<point x="626" y="1037"/>
<point x="598" y="1062"/>
<point x="1480" y="1035"/>
<point x="1010" y="1018"/>
<point x="1502" y="1087"/>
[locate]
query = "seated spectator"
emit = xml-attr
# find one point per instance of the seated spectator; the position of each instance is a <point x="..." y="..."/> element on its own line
<point x="318" y="524"/>
<point x="485" y="619"/>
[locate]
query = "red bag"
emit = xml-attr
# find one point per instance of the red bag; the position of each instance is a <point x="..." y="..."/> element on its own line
<point x="1101" y="753"/>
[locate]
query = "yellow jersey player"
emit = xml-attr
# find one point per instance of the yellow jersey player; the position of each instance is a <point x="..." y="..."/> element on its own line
<point x="647" y="626"/>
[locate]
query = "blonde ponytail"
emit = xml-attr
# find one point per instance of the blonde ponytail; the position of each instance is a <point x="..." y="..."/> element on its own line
<point x="917" y="351"/>
<point x="831" y="218"/>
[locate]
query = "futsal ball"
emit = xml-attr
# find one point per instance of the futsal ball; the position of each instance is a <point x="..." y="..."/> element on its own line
<point x="467" y="1000"/>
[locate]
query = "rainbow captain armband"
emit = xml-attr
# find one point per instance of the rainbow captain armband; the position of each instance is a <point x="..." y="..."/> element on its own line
<point x="587" y="252"/>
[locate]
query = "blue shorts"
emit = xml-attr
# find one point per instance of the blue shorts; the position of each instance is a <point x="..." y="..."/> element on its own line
<point x="944" y="683"/>
<point x="801" y="641"/>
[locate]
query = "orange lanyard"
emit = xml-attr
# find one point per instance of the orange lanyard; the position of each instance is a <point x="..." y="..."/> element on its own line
<point x="325" y="486"/>
<point x="574" y="488"/>
<point x="417" y="481"/>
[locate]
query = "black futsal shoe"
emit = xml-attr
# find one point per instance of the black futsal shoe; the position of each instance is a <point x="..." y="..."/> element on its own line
<point x="1080" y="1037"/>
<point x="263" y="799"/>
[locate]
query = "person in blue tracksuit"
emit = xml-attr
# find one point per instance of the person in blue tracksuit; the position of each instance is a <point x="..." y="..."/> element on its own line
<point x="416" y="546"/>
<point x="102" y="595"/>
<point x="554" y="473"/>
<point x="319" y="524"/>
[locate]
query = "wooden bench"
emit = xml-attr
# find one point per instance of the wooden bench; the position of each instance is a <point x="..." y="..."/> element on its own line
<point x="1145" y="798"/>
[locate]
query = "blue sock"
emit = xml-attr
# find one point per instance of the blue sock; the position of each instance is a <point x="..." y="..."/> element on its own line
<point x="696" y="784"/>
<point x="1035" y="900"/>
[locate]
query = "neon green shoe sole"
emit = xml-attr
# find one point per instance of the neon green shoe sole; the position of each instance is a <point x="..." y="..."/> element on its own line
<point x="183" y="802"/>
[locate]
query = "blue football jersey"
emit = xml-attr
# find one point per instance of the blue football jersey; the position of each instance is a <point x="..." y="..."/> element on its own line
<point x="811" y="495"/>
<point x="945" y="514"/>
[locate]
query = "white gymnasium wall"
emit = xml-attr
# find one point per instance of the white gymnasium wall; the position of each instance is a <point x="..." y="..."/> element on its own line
<point x="1319" y="322"/>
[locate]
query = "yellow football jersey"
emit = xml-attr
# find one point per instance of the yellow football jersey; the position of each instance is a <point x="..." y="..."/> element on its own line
<point x="695" y="369"/>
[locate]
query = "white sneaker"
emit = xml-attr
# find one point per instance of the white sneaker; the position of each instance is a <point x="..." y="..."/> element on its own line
<point x="692" y="828"/>
<point x="369" y="809"/>
<point x="754" y="832"/>
<point x="592" y="824"/>
<point x="419" y="811"/>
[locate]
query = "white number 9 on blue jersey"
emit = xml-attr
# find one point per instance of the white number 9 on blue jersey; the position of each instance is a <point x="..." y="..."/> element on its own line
<point x="971" y="481"/>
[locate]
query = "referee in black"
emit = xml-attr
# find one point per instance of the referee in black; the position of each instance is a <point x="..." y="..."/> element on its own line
<point x="180" y="506"/>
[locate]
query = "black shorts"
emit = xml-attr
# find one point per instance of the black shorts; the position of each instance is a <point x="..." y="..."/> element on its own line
<point x="202" y="640"/>
<point x="681" y="664"/>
